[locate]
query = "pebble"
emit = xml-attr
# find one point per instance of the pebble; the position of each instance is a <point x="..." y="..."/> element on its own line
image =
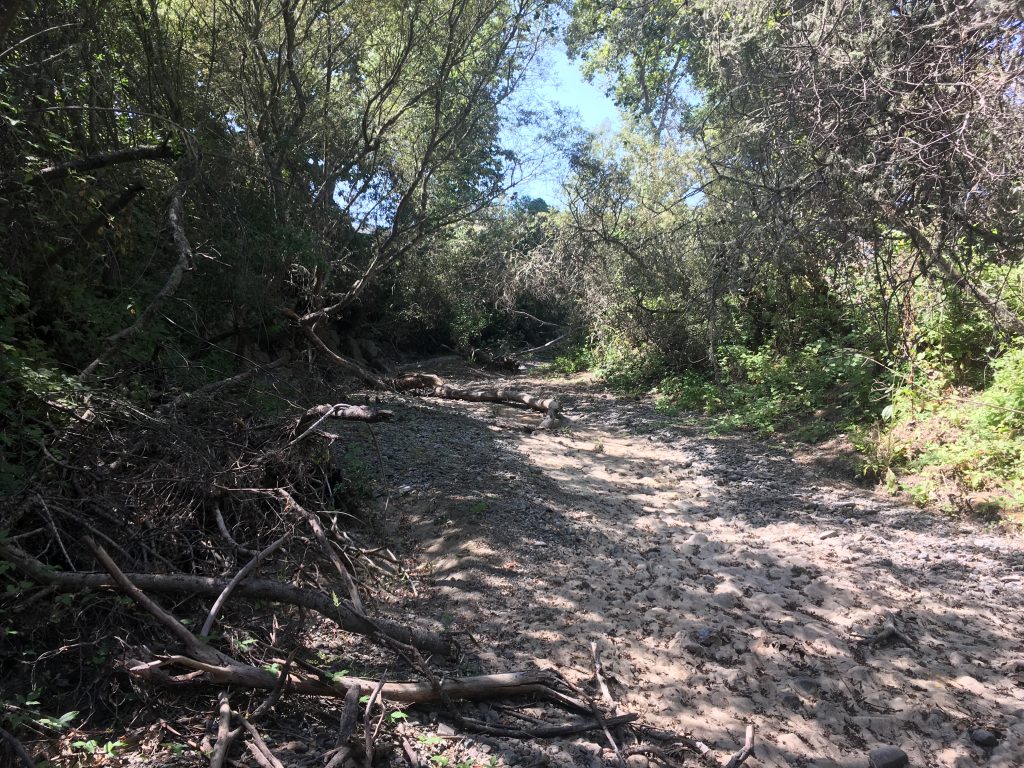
<point x="637" y="761"/>
<point x="445" y="731"/>
<point x="984" y="738"/>
<point x="888" y="757"/>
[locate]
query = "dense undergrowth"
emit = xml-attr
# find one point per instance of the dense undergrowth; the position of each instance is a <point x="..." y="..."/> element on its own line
<point x="944" y="425"/>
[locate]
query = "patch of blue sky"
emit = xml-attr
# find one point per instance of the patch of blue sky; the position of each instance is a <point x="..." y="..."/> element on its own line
<point x="563" y="107"/>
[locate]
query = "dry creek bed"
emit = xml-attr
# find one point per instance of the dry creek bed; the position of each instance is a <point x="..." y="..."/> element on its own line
<point x="725" y="581"/>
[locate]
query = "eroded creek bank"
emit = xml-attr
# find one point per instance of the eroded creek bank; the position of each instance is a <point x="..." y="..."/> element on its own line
<point x="723" y="581"/>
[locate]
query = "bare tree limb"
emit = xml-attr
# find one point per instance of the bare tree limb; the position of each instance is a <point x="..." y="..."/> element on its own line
<point x="344" y="363"/>
<point x="94" y="162"/>
<point x="175" y="216"/>
<point x="214" y="387"/>
<point x="747" y="750"/>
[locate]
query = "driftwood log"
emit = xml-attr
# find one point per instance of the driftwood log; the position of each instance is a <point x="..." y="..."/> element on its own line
<point x="438" y="387"/>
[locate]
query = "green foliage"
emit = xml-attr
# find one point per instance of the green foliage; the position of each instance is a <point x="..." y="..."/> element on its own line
<point x="817" y="389"/>
<point x="576" y="360"/>
<point x="35" y="395"/>
<point x="475" y="288"/>
<point x="1002" y="403"/>
<point x="93" y="747"/>
<point x="26" y="710"/>
<point x="959" y="447"/>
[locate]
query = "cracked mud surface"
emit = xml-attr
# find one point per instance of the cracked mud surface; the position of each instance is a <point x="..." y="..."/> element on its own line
<point x="723" y="581"/>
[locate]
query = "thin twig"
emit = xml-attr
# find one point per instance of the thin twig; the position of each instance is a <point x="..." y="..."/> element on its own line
<point x="367" y="733"/>
<point x="275" y="694"/>
<point x="258" y="745"/>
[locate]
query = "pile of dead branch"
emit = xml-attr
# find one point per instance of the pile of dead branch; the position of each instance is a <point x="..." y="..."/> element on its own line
<point x="245" y="526"/>
<point x="196" y="572"/>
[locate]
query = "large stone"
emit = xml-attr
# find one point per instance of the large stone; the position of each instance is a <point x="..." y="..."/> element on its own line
<point x="790" y="701"/>
<point x="888" y="757"/>
<point x="984" y="738"/>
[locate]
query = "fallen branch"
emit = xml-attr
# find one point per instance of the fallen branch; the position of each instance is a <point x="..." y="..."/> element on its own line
<point x="685" y="741"/>
<point x="609" y="702"/>
<point x="602" y="687"/>
<point x="258" y="747"/>
<point x="178" y="630"/>
<point x="225" y="736"/>
<point x="223" y="528"/>
<point x="545" y="345"/>
<point x="342" y="613"/>
<point x="346" y="364"/>
<point x="346" y="727"/>
<point x="317" y="415"/>
<point x="208" y="390"/>
<point x="368" y="734"/>
<point x="410" y="755"/>
<point x="245" y="676"/>
<point x="328" y="550"/>
<point x="275" y="694"/>
<point x="747" y="750"/>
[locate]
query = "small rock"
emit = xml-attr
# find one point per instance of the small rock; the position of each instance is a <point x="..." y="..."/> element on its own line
<point x="984" y="738"/>
<point x="808" y="686"/>
<point x="707" y="636"/>
<point x="888" y="757"/>
<point x="637" y="761"/>
<point x="445" y="731"/>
